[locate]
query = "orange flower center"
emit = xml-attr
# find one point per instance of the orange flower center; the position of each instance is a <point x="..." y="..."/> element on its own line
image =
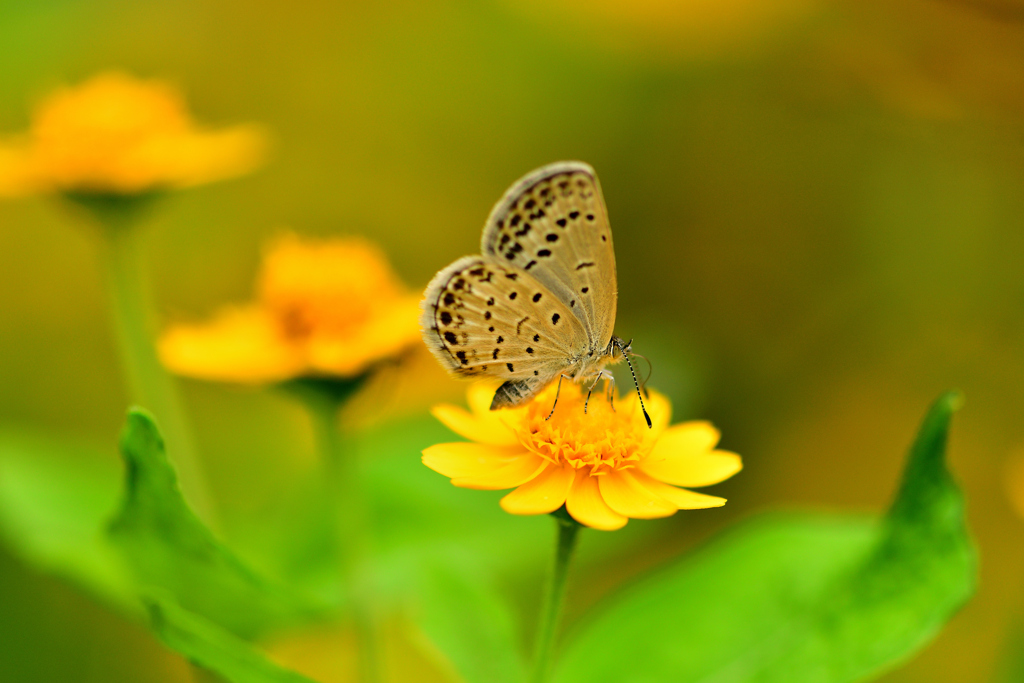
<point x="331" y="287"/>
<point x="606" y="438"/>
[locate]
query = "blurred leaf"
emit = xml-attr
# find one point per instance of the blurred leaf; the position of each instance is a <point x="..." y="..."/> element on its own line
<point x="211" y="647"/>
<point x="414" y="513"/>
<point x="1011" y="665"/>
<point x="167" y="546"/>
<point x="468" y="625"/>
<point x="799" y="599"/>
<point x="55" y="498"/>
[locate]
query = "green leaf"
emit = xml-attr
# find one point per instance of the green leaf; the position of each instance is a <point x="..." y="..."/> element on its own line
<point x="167" y="546"/>
<point x="1011" y="665"/>
<point x="212" y="647"/>
<point x="55" y="499"/>
<point x="468" y="627"/>
<point x="799" y="598"/>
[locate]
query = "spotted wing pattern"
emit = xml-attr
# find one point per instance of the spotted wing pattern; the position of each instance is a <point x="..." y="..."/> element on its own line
<point x="553" y="225"/>
<point x="482" y="318"/>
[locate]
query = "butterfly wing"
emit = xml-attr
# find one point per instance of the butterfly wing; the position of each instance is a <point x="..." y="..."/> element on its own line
<point x="553" y="224"/>
<point x="482" y="318"/>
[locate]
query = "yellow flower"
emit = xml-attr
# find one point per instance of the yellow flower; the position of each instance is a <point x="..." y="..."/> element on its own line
<point x="605" y="465"/>
<point x="1015" y="481"/>
<point x="118" y="135"/>
<point x="329" y="308"/>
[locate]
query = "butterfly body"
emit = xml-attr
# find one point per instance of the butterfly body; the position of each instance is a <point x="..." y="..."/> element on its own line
<point x="539" y="302"/>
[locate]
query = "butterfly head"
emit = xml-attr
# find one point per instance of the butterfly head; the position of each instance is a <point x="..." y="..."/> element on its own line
<point x="618" y="349"/>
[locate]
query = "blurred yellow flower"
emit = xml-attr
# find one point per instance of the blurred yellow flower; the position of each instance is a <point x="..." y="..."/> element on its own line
<point x="1015" y="481"/>
<point x="117" y="135"/>
<point x="605" y="465"/>
<point x="329" y="308"/>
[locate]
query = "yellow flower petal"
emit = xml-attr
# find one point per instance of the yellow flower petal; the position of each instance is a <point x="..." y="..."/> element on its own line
<point x="469" y="426"/>
<point x="1015" y="481"/>
<point x="693" y="436"/>
<point x="479" y="397"/>
<point x="469" y="459"/>
<point x="346" y="353"/>
<point x="704" y="469"/>
<point x="238" y="345"/>
<point x="203" y="157"/>
<point x="683" y="456"/>
<point x="541" y="495"/>
<point x="681" y="498"/>
<point x="627" y="496"/>
<point x="18" y="172"/>
<point x="586" y="505"/>
<point x="660" y="410"/>
<point x="519" y="470"/>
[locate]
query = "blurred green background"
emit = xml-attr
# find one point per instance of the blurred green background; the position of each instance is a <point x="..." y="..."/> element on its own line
<point x="818" y="208"/>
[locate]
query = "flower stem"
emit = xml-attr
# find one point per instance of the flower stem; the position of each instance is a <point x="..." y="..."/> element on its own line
<point x="554" y="595"/>
<point x="148" y="382"/>
<point x="201" y="675"/>
<point x="349" y="509"/>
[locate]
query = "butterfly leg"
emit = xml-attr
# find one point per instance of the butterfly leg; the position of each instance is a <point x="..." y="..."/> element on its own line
<point x="597" y="379"/>
<point x="610" y="389"/>
<point x="558" y="391"/>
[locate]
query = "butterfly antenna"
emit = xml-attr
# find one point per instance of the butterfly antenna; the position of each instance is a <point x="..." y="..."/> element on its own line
<point x="636" y="384"/>
<point x="650" y="370"/>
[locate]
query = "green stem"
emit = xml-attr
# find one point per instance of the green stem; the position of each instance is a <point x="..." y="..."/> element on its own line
<point x="149" y="383"/>
<point x="201" y="675"/>
<point x="554" y="596"/>
<point x="349" y="510"/>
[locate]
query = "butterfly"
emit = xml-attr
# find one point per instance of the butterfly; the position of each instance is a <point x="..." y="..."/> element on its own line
<point x="539" y="301"/>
